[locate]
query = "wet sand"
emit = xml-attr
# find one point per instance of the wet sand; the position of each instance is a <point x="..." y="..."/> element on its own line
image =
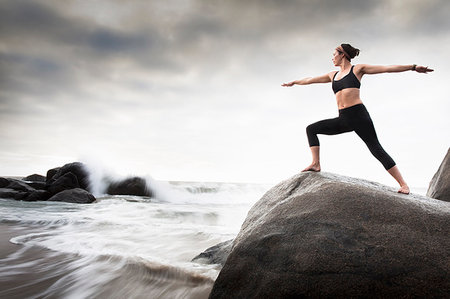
<point x="6" y="233"/>
<point x="17" y="280"/>
<point x="35" y="272"/>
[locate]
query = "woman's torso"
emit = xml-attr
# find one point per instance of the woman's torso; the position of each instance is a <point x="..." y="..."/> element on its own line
<point x="348" y="96"/>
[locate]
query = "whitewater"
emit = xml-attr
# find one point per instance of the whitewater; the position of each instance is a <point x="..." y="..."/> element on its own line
<point x="121" y="246"/>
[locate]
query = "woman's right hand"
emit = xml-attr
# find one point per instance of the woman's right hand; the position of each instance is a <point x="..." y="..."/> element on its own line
<point x="288" y="84"/>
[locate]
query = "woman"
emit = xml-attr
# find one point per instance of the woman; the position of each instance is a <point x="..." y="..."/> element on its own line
<point x="353" y="115"/>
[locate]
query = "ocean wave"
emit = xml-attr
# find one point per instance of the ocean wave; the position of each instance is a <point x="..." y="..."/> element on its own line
<point x="38" y="273"/>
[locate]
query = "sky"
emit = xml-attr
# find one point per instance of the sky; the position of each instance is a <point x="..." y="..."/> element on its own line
<point x="191" y="89"/>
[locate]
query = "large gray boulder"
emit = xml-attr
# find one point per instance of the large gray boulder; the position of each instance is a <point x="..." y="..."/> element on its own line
<point x="322" y="235"/>
<point x="13" y="194"/>
<point x="66" y="181"/>
<point x="4" y="182"/>
<point x="76" y="195"/>
<point x="440" y="184"/>
<point x="130" y="186"/>
<point x="38" y="195"/>
<point x="35" y="178"/>
<point x="76" y="168"/>
<point x="19" y="185"/>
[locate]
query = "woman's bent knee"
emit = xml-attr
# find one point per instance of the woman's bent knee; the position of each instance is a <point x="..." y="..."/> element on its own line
<point x="313" y="140"/>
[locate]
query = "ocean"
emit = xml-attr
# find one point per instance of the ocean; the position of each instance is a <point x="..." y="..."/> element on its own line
<point x="121" y="246"/>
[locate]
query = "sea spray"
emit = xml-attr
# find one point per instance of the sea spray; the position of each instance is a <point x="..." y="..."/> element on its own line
<point x="99" y="175"/>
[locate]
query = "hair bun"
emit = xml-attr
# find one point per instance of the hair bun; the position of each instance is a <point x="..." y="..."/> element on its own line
<point x="351" y="51"/>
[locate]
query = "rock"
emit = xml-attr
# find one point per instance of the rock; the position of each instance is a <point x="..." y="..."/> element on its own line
<point x="322" y="235"/>
<point x="77" y="195"/>
<point x="130" y="186"/>
<point x="38" y="195"/>
<point x="19" y="185"/>
<point x="35" y="178"/>
<point x="216" y="254"/>
<point x="77" y="168"/>
<point x="38" y="185"/>
<point x="51" y="173"/>
<point x="3" y="182"/>
<point x="13" y="194"/>
<point x="439" y="187"/>
<point x="65" y="182"/>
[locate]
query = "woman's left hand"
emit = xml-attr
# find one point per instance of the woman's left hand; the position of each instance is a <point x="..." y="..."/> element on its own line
<point x="423" y="69"/>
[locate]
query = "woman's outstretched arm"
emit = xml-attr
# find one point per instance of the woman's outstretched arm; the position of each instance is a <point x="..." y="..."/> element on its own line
<point x="378" y="69"/>
<point x="310" y="80"/>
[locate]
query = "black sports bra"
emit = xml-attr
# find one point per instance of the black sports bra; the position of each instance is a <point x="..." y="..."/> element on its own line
<point x="348" y="81"/>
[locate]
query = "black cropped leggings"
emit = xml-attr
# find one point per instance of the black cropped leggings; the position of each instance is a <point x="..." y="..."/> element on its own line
<point x="355" y="118"/>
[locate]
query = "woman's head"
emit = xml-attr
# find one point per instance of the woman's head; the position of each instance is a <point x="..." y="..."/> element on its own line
<point x="344" y="51"/>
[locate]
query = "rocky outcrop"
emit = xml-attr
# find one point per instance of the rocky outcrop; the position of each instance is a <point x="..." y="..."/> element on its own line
<point x="129" y="186"/>
<point x="19" y="186"/>
<point x="38" y="195"/>
<point x="216" y="254"/>
<point x="69" y="183"/>
<point x="35" y="178"/>
<point x="4" y="182"/>
<point x="439" y="187"/>
<point x="51" y="173"/>
<point x="71" y="176"/>
<point x="78" y="169"/>
<point x="322" y="235"/>
<point x="76" y="195"/>
<point x="66" y="181"/>
<point x="11" y="193"/>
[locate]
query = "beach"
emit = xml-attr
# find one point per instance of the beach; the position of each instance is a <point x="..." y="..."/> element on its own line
<point x="120" y="246"/>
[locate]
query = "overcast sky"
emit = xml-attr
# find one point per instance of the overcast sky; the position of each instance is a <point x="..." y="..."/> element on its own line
<point x="190" y="89"/>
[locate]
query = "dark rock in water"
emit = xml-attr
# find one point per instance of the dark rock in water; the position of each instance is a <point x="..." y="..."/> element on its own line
<point x="3" y="182"/>
<point x="11" y="193"/>
<point x="21" y="195"/>
<point x="216" y="254"/>
<point x="65" y="182"/>
<point x="38" y="195"/>
<point x="24" y="195"/>
<point x="8" y="193"/>
<point x="440" y="184"/>
<point x="19" y="185"/>
<point x="130" y="186"/>
<point x="51" y="173"/>
<point x="71" y="177"/>
<point x="77" y="195"/>
<point x="77" y="168"/>
<point x="35" y="178"/>
<point x="322" y="235"/>
<point x="38" y="185"/>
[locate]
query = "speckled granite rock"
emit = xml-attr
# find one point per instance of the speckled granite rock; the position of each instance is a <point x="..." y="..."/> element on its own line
<point x="322" y="235"/>
<point x="440" y="184"/>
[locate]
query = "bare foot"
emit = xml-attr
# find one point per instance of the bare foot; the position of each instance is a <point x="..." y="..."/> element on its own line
<point x="404" y="189"/>
<point x="312" y="167"/>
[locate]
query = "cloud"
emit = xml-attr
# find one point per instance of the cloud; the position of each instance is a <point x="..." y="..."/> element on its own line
<point x="75" y="68"/>
<point x="193" y="38"/>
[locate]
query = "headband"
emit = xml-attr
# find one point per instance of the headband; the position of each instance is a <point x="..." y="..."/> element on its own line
<point x="340" y="49"/>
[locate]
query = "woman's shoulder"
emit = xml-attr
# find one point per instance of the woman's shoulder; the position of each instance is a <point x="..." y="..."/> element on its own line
<point x="332" y="74"/>
<point x="358" y="69"/>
